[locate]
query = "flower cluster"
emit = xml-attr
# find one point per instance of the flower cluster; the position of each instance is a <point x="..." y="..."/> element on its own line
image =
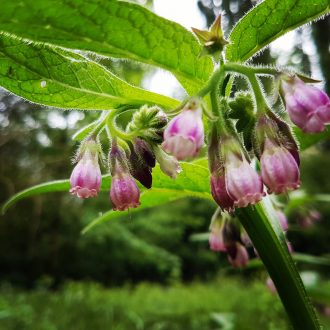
<point x="134" y="158"/>
<point x="239" y="175"/>
<point x="228" y="236"/>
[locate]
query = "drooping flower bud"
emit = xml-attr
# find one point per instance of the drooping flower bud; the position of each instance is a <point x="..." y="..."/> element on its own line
<point x="279" y="169"/>
<point x="124" y="192"/>
<point x="216" y="238"/>
<point x="282" y="220"/>
<point x="307" y="106"/>
<point x="308" y="218"/>
<point x="167" y="163"/>
<point x="142" y="160"/>
<point x="278" y="154"/>
<point x="219" y="191"/>
<point x="223" y="231"/>
<point x="270" y="285"/>
<point x="243" y="183"/>
<point x="86" y="177"/>
<point x="184" y="135"/>
<point x="237" y="255"/>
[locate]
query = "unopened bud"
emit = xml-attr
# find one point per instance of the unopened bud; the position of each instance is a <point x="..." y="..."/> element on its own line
<point x="124" y="192"/>
<point x="307" y="106"/>
<point x="184" y="135"/>
<point x="86" y="177"/>
<point x="167" y="163"/>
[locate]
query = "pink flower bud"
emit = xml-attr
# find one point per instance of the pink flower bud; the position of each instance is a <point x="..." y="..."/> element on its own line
<point x="279" y="169"/>
<point x="271" y="286"/>
<point x="184" y="135"/>
<point x="237" y="255"/>
<point x="243" y="183"/>
<point x="86" y="177"/>
<point x="308" y="106"/>
<point x="282" y="220"/>
<point x="308" y="219"/>
<point x="167" y="163"/>
<point x="216" y="240"/>
<point x="219" y="192"/>
<point x="124" y="192"/>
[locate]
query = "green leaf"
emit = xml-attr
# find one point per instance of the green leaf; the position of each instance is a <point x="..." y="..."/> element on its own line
<point x="268" y="21"/>
<point x="192" y="181"/>
<point x="84" y="131"/>
<point x="149" y="198"/>
<point x="261" y="223"/>
<point x="43" y="188"/>
<point x="64" y="79"/>
<point x="112" y="28"/>
<point x="308" y="140"/>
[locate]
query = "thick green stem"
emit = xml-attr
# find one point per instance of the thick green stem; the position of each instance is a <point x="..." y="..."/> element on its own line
<point x="263" y="228"/>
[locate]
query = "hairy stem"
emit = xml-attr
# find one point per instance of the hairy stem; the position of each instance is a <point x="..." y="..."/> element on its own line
<point x="262" y="226"/>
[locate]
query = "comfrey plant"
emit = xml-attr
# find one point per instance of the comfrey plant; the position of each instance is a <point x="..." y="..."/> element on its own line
<point x="51" y="54"/>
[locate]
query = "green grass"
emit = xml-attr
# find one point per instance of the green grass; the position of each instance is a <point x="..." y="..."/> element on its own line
<point x="226" y="304"/>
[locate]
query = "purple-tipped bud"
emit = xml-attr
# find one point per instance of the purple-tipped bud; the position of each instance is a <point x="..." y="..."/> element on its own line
<point x="168" y="164"/>
<point x="124" y="192"/>
<point x="308" y="106"/>
<point x="243" y="183"/>
<point x="219" y="191"/>
<point x="184" y="135"/>
<point x="282" y="220"/>
<point x="86" y="177"/>
<point x="279" y="169"/>
<point x="237" y="255"/>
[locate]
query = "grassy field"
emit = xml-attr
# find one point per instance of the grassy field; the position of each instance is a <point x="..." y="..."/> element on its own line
<point x="226" y="304"/>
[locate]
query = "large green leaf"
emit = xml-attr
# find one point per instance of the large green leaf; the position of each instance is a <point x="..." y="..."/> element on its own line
<point x="268" y="21"/>
<point x="261" y="223"/>
<point x="111" y="28"/>
<point x="56" y="77"/>
<point x="192" y="181"/>
<point x="149" y="198"/>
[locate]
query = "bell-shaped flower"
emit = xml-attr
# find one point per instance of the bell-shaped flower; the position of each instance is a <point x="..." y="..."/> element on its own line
<point x="216" y="239"/>
<point x="243" y="183"/>
<point x="237" y="255"/>
<point x="86" y="177"/>
<point x="307" y="106"/>
<point x="282" y="220"/>
<point x="124" y="192"/>
<point x="219" y="190"/>
<point x="184" y="134"/>
<point x="279" y="169"/>
<point x="167" y="163"/>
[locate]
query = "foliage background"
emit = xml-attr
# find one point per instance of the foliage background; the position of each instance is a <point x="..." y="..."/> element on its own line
<point x="148" y="262"/>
